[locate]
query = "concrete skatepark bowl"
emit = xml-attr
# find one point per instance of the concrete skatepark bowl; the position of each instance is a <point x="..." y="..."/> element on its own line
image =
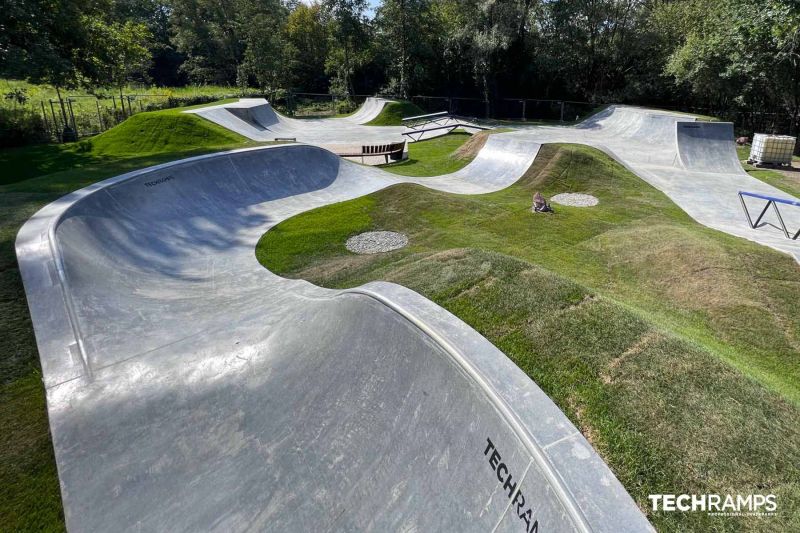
<point x="190" y="389"/>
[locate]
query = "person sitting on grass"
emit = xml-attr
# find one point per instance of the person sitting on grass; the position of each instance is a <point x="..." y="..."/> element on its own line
<point x="540" y="204"/>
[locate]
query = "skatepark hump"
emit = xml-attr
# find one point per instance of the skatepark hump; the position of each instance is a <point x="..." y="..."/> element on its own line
<point x="189" y="388"/>
<point x="693" y="162"/>
<point x="255" y="119"/>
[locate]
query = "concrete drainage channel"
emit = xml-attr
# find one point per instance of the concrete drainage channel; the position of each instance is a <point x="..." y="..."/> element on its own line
<point x="375" y="242"/>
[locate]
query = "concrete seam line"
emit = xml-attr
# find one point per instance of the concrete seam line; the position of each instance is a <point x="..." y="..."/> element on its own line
<point x="521" y="431"/>
<point x="511" y="500"/>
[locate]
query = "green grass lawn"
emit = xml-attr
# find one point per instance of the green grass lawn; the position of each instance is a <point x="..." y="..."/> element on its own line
<point x="393" y="113"/>
<point x="143" y="135"/>
<point x="432" y="157"/>
<point x="32" y="177"/>
<point x="673" y="347"/>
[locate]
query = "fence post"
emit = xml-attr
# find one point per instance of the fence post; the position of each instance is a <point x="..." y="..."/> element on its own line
<point x="55" y="122"/>
<point x="99" y="116"/>
<point x="524" y="104"/>
<point x="44" y="117"/>
<point x="72" y="115"/>
<point x="562" y="112"/>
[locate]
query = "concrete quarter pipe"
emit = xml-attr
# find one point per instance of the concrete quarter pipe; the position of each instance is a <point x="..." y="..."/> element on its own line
<point x="255" y="119"/>
<point x="190" y="389"/>
<point x="692" y="162"/>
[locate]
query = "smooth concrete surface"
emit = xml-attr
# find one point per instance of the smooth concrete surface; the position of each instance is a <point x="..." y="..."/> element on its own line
<point x="693" y="162"/>
<point x="255" y="119"/>
<point x="190" y="389"/>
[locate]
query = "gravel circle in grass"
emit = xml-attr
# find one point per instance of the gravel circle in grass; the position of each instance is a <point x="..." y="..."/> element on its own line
<point x="375" y="242"/>
<point x="575" y="199"/>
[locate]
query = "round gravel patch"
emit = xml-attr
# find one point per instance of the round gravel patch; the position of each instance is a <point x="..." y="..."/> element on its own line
<point x="575" y="199"/>
<point x="375" y="242"/>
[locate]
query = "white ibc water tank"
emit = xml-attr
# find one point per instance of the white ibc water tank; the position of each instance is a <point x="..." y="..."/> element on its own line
<point x="772" y="149"/>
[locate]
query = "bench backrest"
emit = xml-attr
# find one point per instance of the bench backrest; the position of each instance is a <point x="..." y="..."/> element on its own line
<point x="380" y="149"/>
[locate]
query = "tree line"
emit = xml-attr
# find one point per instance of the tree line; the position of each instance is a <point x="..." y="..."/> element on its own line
<point x="721" y="54"/>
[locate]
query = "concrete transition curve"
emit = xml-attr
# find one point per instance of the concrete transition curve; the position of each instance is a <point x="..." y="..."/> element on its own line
<point x="255" y="119"/>
<point x="190" y="389"/>
<point x="693" y="162"/>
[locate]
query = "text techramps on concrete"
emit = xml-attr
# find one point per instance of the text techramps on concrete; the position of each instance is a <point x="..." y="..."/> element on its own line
<point x="693" y="162"/>
<point x="190" y="389"/>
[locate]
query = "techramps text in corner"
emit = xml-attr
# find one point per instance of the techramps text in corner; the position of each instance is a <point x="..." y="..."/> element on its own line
<point x="189" y="388"/>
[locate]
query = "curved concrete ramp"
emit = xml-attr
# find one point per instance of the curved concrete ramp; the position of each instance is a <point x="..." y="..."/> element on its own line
<point x="369" y="110"/>
<point x="255" y="119"/>
<point x="190" y="389"/>
<point x="693" y="162"/>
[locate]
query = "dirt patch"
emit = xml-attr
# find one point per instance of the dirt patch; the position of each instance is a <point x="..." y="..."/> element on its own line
<point x="470" y="149"/>
<point x="636" y="348"/>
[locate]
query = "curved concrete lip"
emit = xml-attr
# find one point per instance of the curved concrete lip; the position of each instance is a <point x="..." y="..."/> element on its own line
<point x="188" y="388"/>
<point x="692" y="162"/>
<point x="255" y="119"/>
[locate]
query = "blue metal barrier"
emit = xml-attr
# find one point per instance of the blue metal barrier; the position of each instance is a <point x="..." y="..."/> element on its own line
<point x="771" y="201"/>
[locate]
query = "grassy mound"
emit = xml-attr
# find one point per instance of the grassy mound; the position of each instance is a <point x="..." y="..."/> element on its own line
<point x="673" y="347"/>
<point x="143" y="134"/>
<point x="393" y="113"/>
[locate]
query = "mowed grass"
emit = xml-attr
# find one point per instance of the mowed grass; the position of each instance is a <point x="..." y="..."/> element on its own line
<point x="30" y="499"/>
<point x="142" y="135"/>
<point x="673" y="347"/>
<point x="393" y="113"/>
<point x="432" y="157"/>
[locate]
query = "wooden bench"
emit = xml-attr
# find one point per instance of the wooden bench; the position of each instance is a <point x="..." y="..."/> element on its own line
<point x="393" y="151"/>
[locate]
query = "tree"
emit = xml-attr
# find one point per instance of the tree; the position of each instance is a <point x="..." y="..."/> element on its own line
<point x="205" y="32"/>
<point x="307" y="40"/>
<point x="349" y="39"/>
<point x="116" y="51"/>
<point x="260" y="26"/>
<point x="404" y="30"/>
<point x="67" y="43"/>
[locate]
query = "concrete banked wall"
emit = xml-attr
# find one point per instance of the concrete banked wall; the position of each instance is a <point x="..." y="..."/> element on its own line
<point x="257" y="120"/>
<point x="693" y="162"/>
<point x="190" y="389"/>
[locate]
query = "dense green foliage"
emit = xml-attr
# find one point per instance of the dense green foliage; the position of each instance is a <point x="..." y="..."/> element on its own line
<point x="671" y="346"/>
<point x="731" y="54"/>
